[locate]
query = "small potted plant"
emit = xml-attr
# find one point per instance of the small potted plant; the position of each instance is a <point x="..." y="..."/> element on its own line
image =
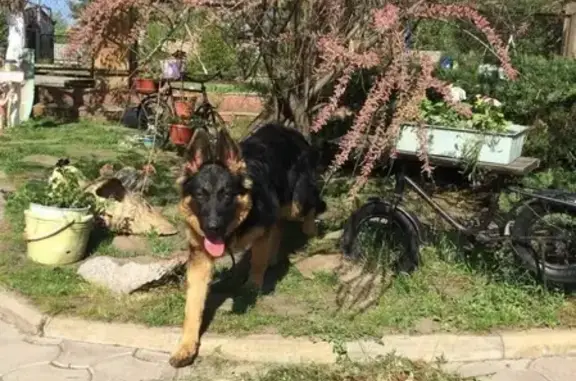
<point x="60" y="217"/>
<point x="180" y="132"/>
<point x="184" y="107"/>
<point x="145" y="83"/>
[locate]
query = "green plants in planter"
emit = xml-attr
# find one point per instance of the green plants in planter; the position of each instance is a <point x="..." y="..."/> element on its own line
<point x="484" y="116"/>
<point x="149" y="71"/>
<point x="145" y="82"/>
<point x="60" y="217"/>
<point x="469" y="131"/>
<point x="63" y="190"/>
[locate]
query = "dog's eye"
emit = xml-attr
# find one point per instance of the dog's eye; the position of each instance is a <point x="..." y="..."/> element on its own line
<point x="202" y="194"/>
<point x="223" y="194"/>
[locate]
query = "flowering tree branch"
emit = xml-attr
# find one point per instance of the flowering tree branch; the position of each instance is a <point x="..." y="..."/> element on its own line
<point x="311" y="49"/>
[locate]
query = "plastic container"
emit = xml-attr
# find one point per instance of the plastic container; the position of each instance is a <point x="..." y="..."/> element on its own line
<point x="57" y="239"/>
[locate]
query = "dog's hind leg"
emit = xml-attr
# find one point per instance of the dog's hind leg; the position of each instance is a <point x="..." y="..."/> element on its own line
<point x="309" y="224"/>
<point x="263" y="250"/>
<point x="198" y="276"/>
<point x="275" y="241"/>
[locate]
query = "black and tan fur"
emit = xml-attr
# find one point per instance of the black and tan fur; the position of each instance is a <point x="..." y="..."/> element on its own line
<point x="239" y="194"/>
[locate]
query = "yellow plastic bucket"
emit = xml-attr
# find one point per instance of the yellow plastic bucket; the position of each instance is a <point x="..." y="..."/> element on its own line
<point x="57" y="240"/>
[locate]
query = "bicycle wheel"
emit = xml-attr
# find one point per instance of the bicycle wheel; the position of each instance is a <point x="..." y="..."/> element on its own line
<point x="381" y="236"/>
<point x="155" y="113"/>
<point x="544" y="239"/>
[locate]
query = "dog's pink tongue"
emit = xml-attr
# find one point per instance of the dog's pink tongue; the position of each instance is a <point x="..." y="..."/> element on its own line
<point x="214" y="248"/>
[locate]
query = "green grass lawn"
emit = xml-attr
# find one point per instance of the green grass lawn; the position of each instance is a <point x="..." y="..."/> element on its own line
<point x="445" y="294"/>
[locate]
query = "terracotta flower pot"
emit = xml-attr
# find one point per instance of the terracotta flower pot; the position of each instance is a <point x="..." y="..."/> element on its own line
<point x="184" y="108"/>
<point x="180" y="134"/>
<point x="145" y="85"/>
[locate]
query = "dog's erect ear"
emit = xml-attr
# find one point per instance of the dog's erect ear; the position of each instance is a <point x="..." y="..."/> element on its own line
<point x="199" y="151"/>
<point x="228" y="150"/>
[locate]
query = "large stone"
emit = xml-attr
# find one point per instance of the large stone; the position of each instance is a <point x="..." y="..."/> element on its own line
<point x="335" y="235"/>
<point x="42" y="160"/>
<point x="318" y="263"/>
<point x="131" y="244"/>
<point x="126" y="275"/>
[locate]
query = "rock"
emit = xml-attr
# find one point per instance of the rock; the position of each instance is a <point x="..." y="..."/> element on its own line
<point x="427" y="326"/>
<point x="126" y="275"/>
<point x="128" y="212"/>
<point x="131" y="244"/>
<point x="38" y="110"/>
<point x="43" y="160"/>
<point x="333" y="235"/>
<point x="318" y="263"/>
<point x="5" y="183"/>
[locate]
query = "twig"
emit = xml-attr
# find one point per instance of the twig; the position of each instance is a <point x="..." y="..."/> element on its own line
<point x="488" y="47"/>
<point x="194" y="51"/>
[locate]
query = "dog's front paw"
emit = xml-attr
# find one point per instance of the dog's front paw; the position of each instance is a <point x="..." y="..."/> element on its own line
<point x="184" y="356"/>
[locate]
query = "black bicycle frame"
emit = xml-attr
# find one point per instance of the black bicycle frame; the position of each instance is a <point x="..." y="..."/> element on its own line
<point x="402" y="179"/>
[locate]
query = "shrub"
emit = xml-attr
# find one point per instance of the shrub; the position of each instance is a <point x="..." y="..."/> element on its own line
<point x="543" y="96"/>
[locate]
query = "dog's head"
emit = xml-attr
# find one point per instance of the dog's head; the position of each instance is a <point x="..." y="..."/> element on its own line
<point x="215" y="189"/>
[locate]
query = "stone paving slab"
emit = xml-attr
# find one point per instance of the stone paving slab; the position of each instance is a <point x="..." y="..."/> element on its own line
<point x="78" y="355"/>
<point x="47" y="372"/>
<point x="556" y="368"/>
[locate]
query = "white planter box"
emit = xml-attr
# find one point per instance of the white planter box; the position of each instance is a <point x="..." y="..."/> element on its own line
<point x="497" y="148"/>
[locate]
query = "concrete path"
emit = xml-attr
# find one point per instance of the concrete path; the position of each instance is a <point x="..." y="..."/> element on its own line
<point x="30" y="358"/>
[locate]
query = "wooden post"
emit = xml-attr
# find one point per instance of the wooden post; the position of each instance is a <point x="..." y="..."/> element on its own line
<point x="569" y="31"/>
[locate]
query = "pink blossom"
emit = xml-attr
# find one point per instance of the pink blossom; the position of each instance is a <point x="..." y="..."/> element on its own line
<point x="386" y="17"/>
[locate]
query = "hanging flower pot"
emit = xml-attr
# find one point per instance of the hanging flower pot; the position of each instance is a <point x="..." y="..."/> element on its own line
<point x="184" y="108"/>
<point x="145" y="86"/>
<point x="180" y="134"/>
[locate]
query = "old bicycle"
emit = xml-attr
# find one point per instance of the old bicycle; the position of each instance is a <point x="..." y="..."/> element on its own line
<point x="157" y="109"/>
<point x="538" y="230"/>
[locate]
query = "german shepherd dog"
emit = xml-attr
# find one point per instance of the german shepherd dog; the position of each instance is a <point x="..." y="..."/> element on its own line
<point x="234" y="197"/>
